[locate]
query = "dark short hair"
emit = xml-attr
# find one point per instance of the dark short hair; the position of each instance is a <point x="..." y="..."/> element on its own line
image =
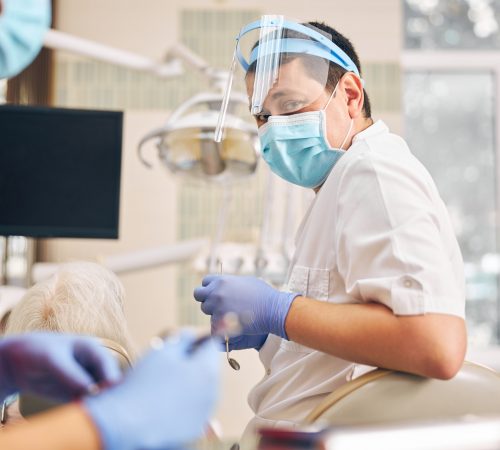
<point x="335" y="72"/>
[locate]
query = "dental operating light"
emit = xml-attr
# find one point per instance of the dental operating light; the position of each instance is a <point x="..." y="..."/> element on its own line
<point x="186" y="143"/>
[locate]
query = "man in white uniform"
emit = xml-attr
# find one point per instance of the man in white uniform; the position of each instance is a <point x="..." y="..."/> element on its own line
<point x="377" y="276"/>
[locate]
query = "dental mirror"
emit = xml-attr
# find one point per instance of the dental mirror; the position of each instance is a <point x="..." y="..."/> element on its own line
<point x="231" y="326"/>
<point x="232" y="362"/>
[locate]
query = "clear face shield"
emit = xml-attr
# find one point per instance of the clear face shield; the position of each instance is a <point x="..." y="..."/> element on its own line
<point x="285" y="66"/>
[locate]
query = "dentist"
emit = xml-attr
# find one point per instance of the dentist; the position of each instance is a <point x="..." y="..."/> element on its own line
<point x="377" y="276"/>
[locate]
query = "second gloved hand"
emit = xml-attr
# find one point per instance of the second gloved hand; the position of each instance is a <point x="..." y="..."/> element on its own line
<point x="57" y="366"/>
<point x="260" y="308"/>
<point x="177" y="387"/>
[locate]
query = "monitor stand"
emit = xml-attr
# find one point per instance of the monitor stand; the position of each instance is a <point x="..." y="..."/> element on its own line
<point x="17" y="256"/>
<point x="3" y="272"/>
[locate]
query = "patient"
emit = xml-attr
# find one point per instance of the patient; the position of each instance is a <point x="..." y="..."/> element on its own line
<point x="80" y="298"/>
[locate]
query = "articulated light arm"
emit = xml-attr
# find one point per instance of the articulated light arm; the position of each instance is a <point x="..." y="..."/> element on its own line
<point x="171" y="65"/>
<point x="58" y="40"/>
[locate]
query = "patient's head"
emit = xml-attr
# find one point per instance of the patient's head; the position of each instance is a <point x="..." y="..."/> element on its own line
<point x="80" y="298"/>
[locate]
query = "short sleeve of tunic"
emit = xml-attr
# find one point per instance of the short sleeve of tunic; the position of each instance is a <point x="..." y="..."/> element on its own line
<point x="394" y="240"/>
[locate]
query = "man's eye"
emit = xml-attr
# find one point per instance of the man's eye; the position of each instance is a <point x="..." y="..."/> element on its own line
<point x="292" y="105"/>
<point x="262" y="117"/>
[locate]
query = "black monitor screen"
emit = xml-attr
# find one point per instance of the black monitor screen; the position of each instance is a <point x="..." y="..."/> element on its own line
<point x="59" y="172"/>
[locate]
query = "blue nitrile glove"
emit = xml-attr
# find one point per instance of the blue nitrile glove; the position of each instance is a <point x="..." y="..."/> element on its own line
<point x="260" y="308"/>
<point x="163" y="402"/>
<point x="244" y="341"/>
<point x="57" y="366"/>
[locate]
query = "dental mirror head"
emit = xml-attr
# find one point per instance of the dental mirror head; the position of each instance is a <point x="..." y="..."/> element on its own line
<point x="229" y="325"/>
<point x="232" y="362"/>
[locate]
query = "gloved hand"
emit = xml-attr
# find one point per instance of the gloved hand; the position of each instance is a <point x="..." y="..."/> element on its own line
<point x="260" y="308"/>
<point x="163" y="402"/>
<point x="58" y="366"/>
<point x="244" y="341"/>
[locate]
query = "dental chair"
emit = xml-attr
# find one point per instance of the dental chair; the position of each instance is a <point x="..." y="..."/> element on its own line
<point x="32" y="404"/>
<point x="388" y="397"/>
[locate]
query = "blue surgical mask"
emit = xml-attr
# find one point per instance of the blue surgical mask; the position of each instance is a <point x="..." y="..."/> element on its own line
<point x="296" y="147"/>
<point x="23" y="25"/>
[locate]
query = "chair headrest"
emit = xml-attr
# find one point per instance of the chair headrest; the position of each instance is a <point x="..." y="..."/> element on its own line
<point x="30" y="404"/>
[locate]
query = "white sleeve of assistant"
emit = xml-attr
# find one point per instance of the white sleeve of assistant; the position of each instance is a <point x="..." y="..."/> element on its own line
<point x="390" y="239"/>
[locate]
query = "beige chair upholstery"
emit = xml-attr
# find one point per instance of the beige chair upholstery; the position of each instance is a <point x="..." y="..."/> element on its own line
<point x="119" y="352"/>
<point x="385" y="396"/>
<point x="30" y="404"/>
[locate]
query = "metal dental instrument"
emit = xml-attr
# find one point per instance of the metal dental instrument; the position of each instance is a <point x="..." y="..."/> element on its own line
<point x="230" y="320"/>
<point x="3" y="414"/>
<point x="232" y="362"/>
<point x="227" y="326"/>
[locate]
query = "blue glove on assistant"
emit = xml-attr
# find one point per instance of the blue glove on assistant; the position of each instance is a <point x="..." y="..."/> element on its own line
<point x="163" y="402"/>
<point x="57" y="366"/>
<point x="260" y="308"/>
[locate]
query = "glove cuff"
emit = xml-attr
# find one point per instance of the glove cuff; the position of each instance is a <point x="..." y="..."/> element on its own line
<point x="282" y="305"/>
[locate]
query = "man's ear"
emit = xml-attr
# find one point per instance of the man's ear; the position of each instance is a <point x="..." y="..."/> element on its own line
<point x="353" y="88"/>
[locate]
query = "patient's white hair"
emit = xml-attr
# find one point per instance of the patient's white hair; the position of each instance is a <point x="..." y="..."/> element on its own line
<point x="81" y="298"/>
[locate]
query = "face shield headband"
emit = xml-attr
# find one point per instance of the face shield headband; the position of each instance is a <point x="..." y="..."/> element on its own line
<point x="319" y="45"/>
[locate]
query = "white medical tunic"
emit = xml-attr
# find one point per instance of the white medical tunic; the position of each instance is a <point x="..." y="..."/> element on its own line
<point x="376" y="231"/>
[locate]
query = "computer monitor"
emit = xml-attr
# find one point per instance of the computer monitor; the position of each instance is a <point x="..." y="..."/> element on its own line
<point x="59" y="172"/>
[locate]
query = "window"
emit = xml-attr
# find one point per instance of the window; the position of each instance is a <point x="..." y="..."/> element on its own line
<point x="449" y="127"/>
<point x="445" y="24"/>
<point x="451" y="121"/>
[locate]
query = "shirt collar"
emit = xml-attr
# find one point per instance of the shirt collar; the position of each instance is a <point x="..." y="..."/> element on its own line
<point x="379" y="127"/>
